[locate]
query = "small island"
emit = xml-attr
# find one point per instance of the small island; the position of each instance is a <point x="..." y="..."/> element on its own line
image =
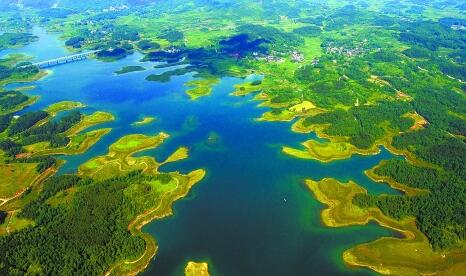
<point x="56" y="108"/>
<point x="202" y="87"/>
<point x="145" y="121"/>
<point x="196" y="269"/>
<point x="129" y="69"/>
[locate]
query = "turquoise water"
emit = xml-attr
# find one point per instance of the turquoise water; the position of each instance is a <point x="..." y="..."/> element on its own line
<point x="252" y="215"/>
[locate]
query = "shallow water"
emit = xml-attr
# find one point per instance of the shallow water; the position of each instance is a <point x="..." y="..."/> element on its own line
<point x="252" y="215"/>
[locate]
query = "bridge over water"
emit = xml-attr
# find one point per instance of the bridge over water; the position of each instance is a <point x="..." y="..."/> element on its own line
<point x="63" y="60"/>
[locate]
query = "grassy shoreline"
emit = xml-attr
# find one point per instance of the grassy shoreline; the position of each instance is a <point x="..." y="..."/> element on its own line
<point x="392" y="183"/>
<point x="145" y="121"/>
<point x="119" y="161"/>
<point x="410" y="255"/>
<point x="164" y="209"/>
<point x="201" y="87"/>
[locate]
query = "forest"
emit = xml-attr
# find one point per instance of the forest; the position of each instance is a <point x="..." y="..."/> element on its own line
<point x="440" y="213"/>
<point x="364" y="125"/>
<point x="85" y="237"/>
<point x="10" y="40"/>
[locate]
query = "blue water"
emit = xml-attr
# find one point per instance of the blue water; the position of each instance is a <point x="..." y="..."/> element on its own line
<point x="237" y="218"/>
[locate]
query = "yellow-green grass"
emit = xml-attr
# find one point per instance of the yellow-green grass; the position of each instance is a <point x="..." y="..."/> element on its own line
<point x="163" y="209"/>
<point x="37" y="147"/>
<point x="88" y="121"/>
<point x="56" y="108"/>
<point x="22" y="199"/>
<point x="22" y="79"/>
<point x="13" y="59"/>
<point x="197" y="38"/>
<point x="202" y="87"/>
<point x="32" y="100"/>
<point x="34" y="186"/>
<point x="327" y="151"/>
<point x="144" y="121"/>
<point x="79" y="143"/>
<point x="16" y="177"/>
<point x="14" y="223"/>
<point x="338" y="197"/>
<point x="419" y="121"/>
<point x="311" y="48"/>
<point x="280" y="116"/>
<point x="338" y="148"/>
<point x="394" y="184"/>
<point x="410" y="255"/>
<point x="305" y="108"/>
<point x="26" y="88"/>
<point x="196" y="269"/>
<point x="62" y="198"/>
<point x="180" y="154"/>
<point x="246" y="88"/>
<point x="119" y="160"/>
<point x="299" y="127"/>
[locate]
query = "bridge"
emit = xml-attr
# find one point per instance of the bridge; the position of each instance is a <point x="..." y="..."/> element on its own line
<point x="63" y="60"/>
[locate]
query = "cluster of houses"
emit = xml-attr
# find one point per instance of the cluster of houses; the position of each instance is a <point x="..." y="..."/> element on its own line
<point x="458" y="27"/>
<point x="351" y="52"/>
<point x="272" y="57"/>
<point x="344" y="51"/>
<point x="297" y="56"/>
<point x="279" y="57"/>
<point x="115" y="9"/>
<point x="172" y="50"/>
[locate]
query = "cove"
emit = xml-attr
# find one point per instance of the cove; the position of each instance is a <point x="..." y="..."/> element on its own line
<point x="252" y="215"/>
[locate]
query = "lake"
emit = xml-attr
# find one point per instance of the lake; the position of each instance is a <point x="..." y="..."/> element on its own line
<point x="252" y="214"/>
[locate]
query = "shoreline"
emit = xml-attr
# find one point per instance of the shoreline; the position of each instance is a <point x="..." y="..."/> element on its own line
<point x="409" y="255"/>
<point x="135" y="228"/>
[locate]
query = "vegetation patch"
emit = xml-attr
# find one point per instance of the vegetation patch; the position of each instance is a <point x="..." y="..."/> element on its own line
<point x="202" y="87"/>
<point x="196" y="269"/>
<point x="410" y="255"/>
<point x="16" y="177"/>
<point x="119" y="160"/>
<point x="129" y="69"/>
<point x="327" y="151"/>
<point x="56" y="108"/>
<point x="145" y="121"/>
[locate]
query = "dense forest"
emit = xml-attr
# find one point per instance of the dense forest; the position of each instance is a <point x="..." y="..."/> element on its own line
<point x="9" y="40"/>
<point x="440" y="214"/>
<point x="85" y="237"/>
<point x="364" y="125"/>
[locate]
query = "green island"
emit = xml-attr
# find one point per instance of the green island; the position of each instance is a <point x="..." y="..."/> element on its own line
<point x="145" y="121"/>
<point x="196" y="269"/>
<point x="56" y="108"/>
<point x="202" y="87"/>
<point x="129" y="69"/>
<point x="358" y="75"/>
